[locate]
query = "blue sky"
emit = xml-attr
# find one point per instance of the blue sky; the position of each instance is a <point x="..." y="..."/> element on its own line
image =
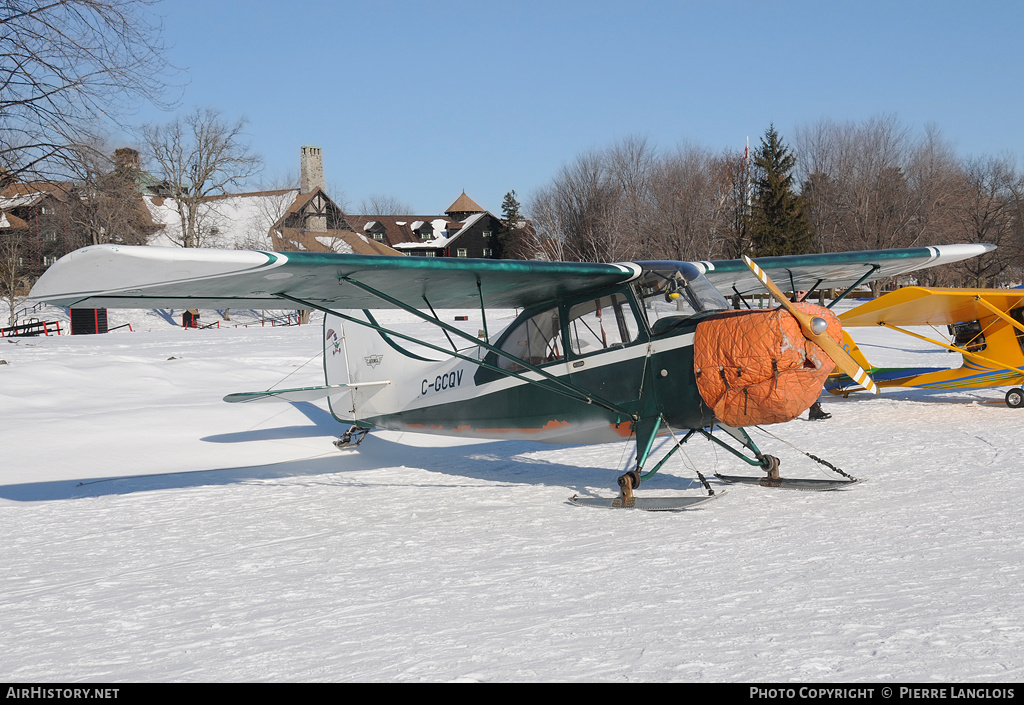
<point x="420" y="100"/>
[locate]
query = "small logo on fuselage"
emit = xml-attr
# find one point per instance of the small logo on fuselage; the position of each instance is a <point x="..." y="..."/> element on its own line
<point x="331" y="339"/>
<point x="373" y="360"/>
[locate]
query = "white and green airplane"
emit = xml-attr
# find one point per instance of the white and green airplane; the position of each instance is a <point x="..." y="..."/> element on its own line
<point x="600" y="352"/>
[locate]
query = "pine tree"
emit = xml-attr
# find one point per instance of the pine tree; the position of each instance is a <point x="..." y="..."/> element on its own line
<point x="514" y="240"/>
<point x="779" y="222"/>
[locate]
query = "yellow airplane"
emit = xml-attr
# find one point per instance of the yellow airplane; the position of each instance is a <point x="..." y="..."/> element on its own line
<point x="986" y="327"/>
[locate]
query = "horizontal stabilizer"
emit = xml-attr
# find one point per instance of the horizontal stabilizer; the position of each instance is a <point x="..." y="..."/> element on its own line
<point x="304" y="393"/>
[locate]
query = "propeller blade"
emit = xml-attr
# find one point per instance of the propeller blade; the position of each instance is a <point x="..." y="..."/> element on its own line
<point x="843" y="360"/>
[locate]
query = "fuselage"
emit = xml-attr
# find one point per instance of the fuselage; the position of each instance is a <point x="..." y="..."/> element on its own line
<point x="572" y="370"/>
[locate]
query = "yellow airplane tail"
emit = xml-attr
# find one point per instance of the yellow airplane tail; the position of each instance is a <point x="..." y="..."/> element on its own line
<point x="840" y="383"/>
<point x="855" y="353"/>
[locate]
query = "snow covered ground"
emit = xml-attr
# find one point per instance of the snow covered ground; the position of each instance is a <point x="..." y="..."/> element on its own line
<point x="154" y="533"/>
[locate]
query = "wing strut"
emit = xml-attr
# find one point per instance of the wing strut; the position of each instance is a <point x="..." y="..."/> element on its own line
<point x="994" y="364"/>
<point x="874" y="268"/>
<point x="434" y="314"/>
<point x="483" y="311"/>
<point x="562" y="387"/>
<point x="1001" y="314"/>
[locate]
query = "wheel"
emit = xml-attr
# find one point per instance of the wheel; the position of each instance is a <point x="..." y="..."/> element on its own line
<point x="1015" y="398"/>
<point x="771" y="466"/>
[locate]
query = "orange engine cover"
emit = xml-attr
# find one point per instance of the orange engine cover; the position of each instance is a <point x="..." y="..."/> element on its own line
<point x="756" y="367"/>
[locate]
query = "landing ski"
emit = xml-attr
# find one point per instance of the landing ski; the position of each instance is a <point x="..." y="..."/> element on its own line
<point x="649" y="504"/>
<point x="788" y="483"/>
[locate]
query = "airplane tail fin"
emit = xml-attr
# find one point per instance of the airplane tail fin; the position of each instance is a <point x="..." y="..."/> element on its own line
<point x="851" y="347"/>
<point x="358" y="358"/>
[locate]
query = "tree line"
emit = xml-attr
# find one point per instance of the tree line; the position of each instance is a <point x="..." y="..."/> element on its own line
<point x="840" y="186"/>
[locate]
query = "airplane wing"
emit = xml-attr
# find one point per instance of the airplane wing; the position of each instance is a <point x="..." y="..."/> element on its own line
<point x="918" y="305"/>
<point x="112" y="276"/>
<point x="832" y="270"/>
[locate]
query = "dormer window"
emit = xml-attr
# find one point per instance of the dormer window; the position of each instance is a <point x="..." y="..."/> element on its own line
<point x="423" y="229"/>
<point x="375" y="229"/>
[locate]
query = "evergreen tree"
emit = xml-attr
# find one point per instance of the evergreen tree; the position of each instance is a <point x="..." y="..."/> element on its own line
<point x="514" y="239"/>
<point x="510" y="210"/>
<point x="779" y="221"/>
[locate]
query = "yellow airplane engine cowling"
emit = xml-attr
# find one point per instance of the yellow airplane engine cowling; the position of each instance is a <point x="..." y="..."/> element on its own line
<point x="756" y="367"/>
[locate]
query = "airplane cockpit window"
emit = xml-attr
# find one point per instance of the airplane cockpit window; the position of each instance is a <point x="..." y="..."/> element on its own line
<point x="536" y="340"/>
<point x="676" y="289"/>
<point x="602" y="323"/>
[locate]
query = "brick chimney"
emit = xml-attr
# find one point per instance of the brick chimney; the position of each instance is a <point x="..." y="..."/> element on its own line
<point x="311" y="168"/>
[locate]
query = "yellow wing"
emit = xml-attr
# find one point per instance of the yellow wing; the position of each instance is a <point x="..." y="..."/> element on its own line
<point x="919" y="306"/>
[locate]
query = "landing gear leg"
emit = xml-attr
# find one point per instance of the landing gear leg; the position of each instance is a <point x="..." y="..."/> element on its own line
<point x="352" y="437"/>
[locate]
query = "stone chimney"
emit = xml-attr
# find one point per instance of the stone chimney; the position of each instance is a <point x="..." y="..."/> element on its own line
<point x="311" y="167"/>
<point x="126" y="159"/>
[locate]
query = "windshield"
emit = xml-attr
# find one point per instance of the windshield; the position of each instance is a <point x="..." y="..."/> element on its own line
<point x="676" y="289"/>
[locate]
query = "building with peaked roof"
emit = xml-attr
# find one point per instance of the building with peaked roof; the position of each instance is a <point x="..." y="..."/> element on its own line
<point x="303" y="219"/>
<point x="44" y="221"/>
<point x="464" y="230"/>
<point x="463" y="207"/>
<point x="34" y="219"/>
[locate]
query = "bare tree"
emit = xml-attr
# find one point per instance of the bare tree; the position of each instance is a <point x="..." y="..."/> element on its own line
<point x="66" y="65"/>
<point x="630" y="164"/>
<point x="1015" y="271"/>
<point x="199" y="156"/>
<point x="381" y="204"/>
<point x="105" y="204"/>
<point x="583" y="203"/>
<point x="13" y="276"/>
<point x="543" y="209"/>
<point x="818" y="151"/>
<point x="859" y="191"/>
<point x="986" y="212"/>
<point x="732" y="175"/>
<point x="597" y="207"/>
<point x="688" y="206"/>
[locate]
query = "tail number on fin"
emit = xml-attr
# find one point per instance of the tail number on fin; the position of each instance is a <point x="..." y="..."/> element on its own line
<point x="451" y="380"/>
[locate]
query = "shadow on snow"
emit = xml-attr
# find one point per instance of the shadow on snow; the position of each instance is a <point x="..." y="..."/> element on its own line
<point x="494" y="461"/>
